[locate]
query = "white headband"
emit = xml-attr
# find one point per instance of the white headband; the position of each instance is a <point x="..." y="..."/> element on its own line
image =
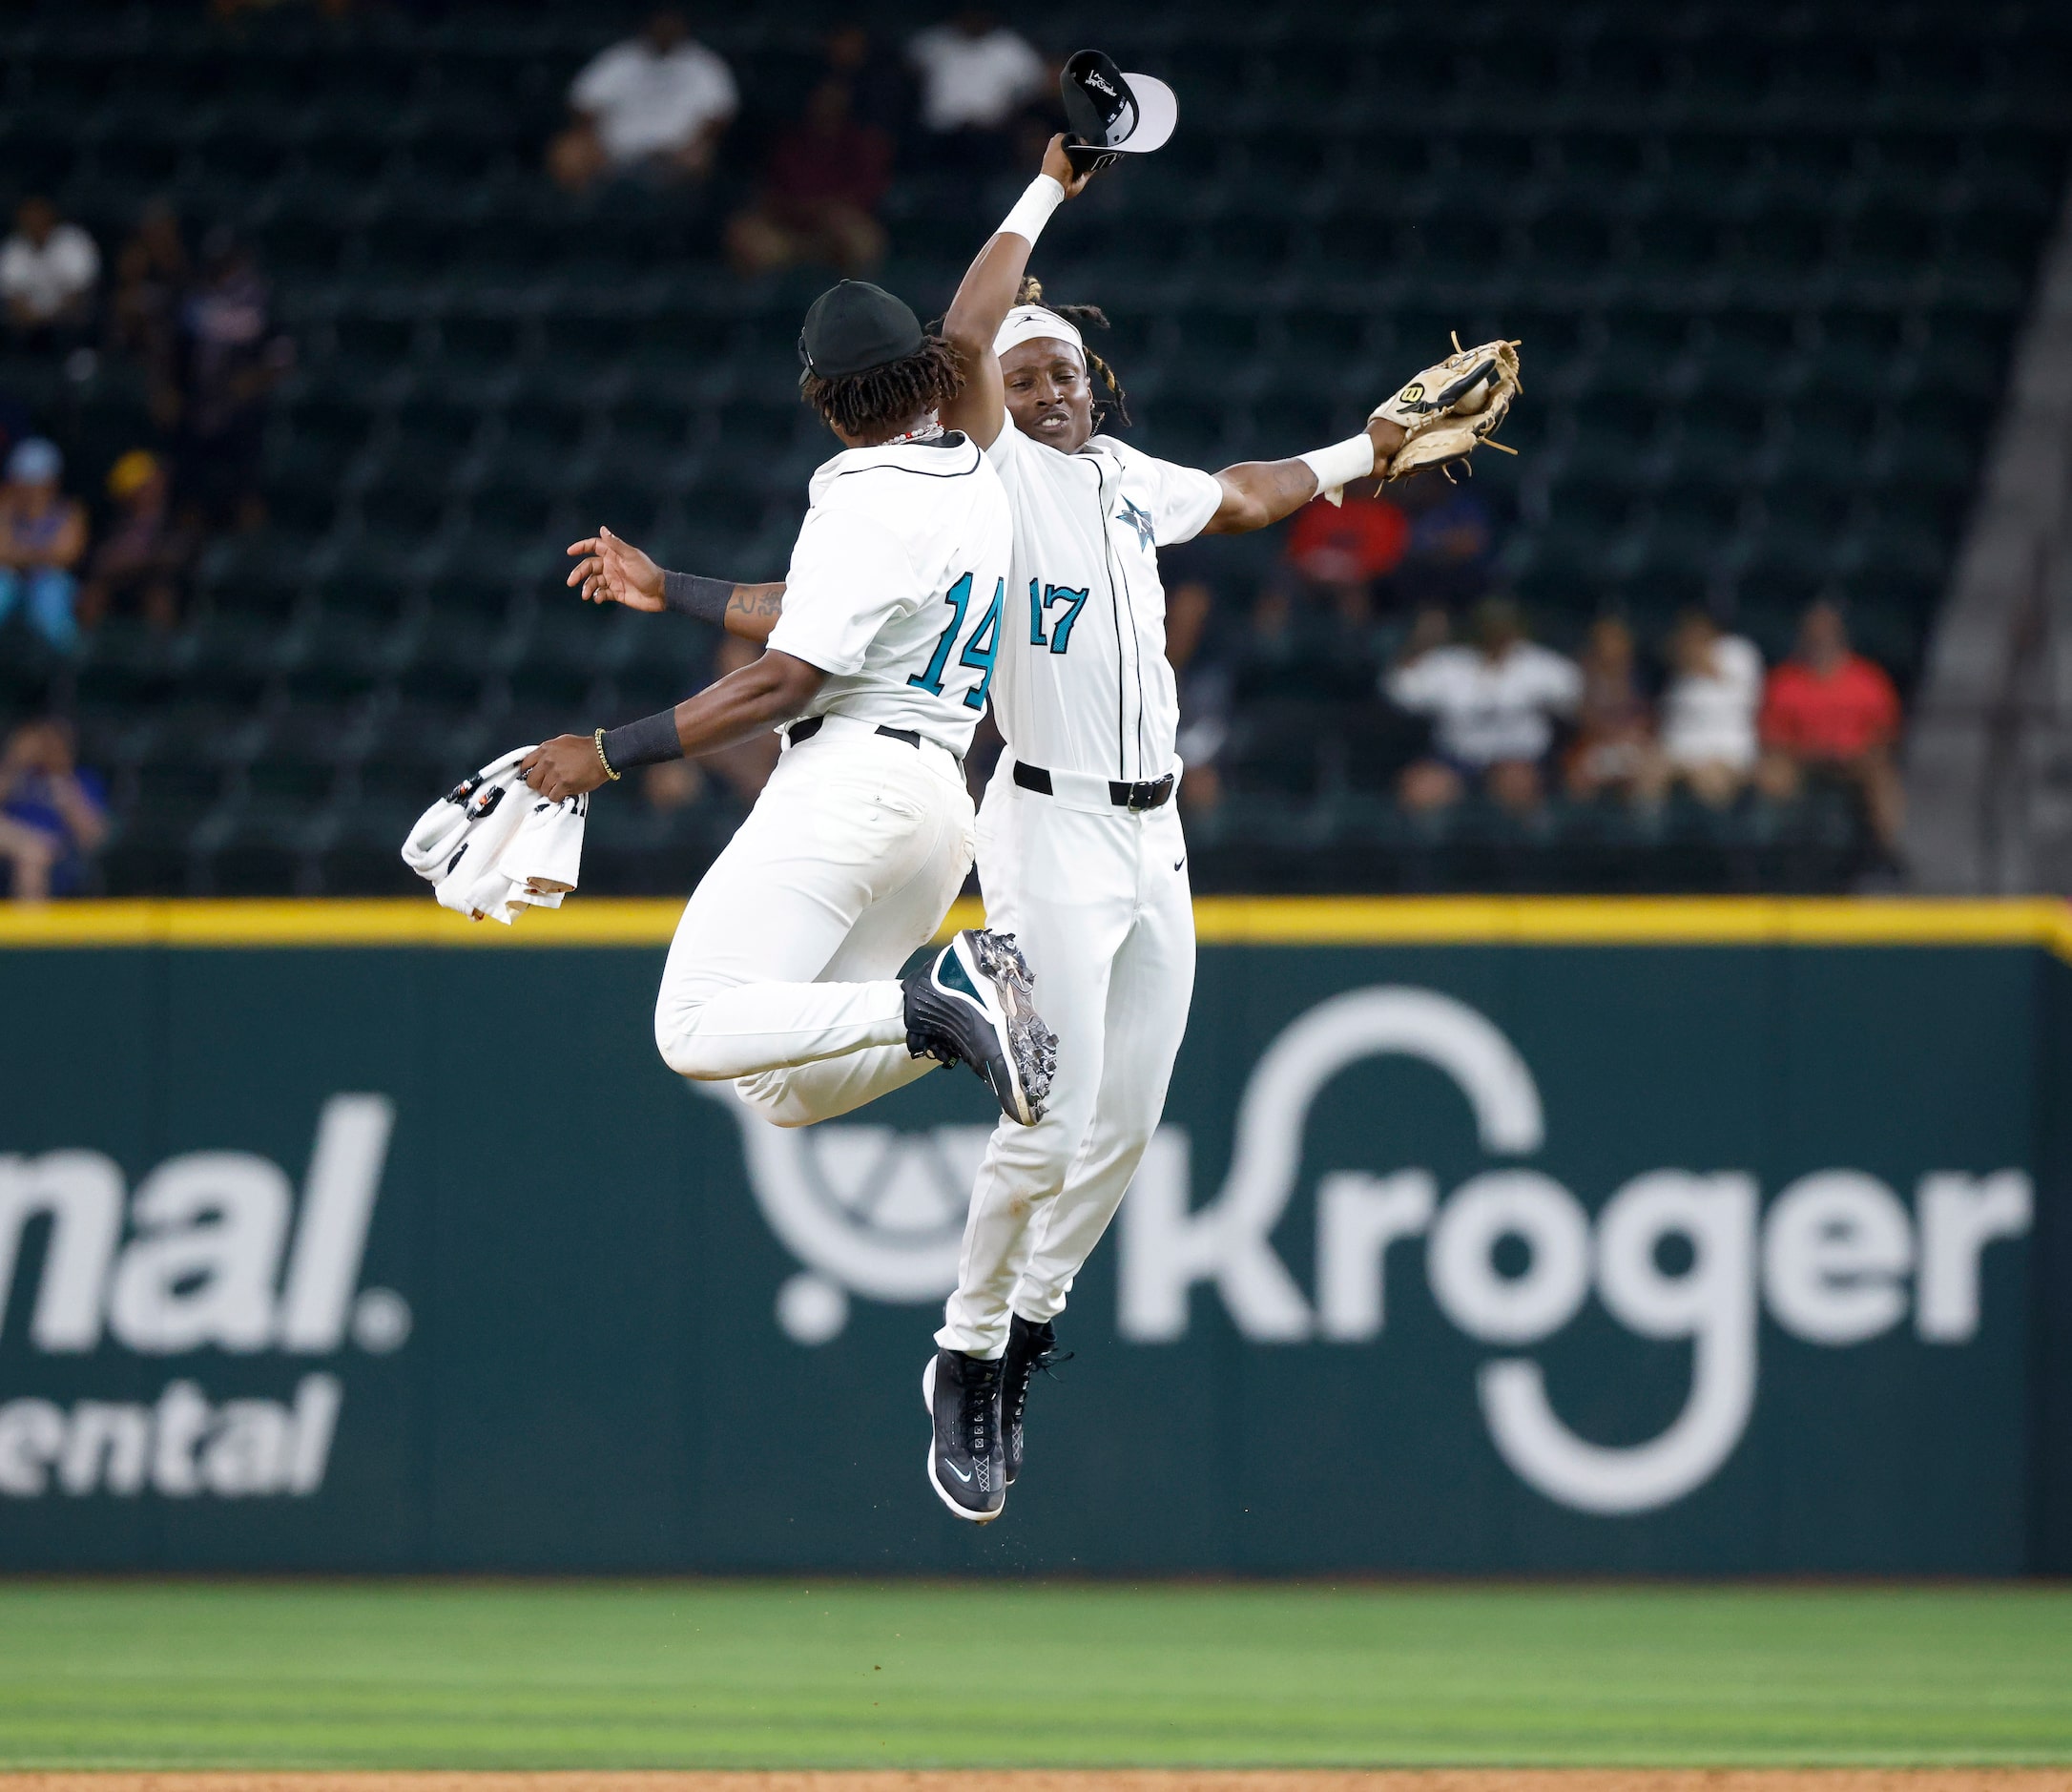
<point x="1025" y="322"/>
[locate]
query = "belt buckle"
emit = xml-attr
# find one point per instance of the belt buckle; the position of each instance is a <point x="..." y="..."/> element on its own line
<point x="1142" y="796"/>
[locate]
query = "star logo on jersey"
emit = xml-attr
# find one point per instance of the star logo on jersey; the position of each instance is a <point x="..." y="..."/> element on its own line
<point x="1140" y="521"/>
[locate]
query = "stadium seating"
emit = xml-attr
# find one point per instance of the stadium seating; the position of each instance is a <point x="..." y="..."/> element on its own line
<point x="1766" y="262"/>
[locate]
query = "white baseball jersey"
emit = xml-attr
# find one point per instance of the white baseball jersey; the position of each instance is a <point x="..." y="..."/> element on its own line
<point x="898" y="586"/>
<point x="1084" y="686"/>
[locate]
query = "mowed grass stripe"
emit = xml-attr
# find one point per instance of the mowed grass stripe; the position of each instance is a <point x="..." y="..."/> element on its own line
<point x="744" y="1674"/>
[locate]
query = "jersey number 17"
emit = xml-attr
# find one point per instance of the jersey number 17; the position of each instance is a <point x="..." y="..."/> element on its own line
<point x="982" y="646"/>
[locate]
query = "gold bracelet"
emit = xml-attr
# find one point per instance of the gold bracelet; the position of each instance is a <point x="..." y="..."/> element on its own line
<point x="598" y="739"/>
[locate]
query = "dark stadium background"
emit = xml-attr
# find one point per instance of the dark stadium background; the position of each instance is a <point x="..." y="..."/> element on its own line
<point x="1768" y="263"/>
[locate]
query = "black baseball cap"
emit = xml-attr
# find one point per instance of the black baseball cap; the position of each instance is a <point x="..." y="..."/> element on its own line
<point x="856" y="326"/>
<point x="1110" y="111"/>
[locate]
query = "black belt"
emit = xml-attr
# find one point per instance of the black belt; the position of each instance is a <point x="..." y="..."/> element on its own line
<point x="1152" y="794"/>
<point x="805" y="731"/>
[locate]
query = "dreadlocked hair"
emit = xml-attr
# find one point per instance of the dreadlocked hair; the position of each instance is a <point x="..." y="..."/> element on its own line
<point x="1117" y="400"/>
<point x="880" y="400"/>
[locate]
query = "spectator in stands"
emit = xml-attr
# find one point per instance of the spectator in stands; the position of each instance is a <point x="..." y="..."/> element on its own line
<point x="144" y="551"/>
<point x="43" y="533"/>
<point x="657" y="104"/>
<point x="1708" y="710"/>
<point x="977" y="77"/>
<point x="1492" y="706"/>
<point x="151" y="275"/>
<point x="1614" y="749"/>
<point x="819" y="194"/>
<point x="52" y="816"/>
<point x="1204" y="682"/>
<point x="1830" y="712"/>
<point x="1357" y="542"/>
<point x="233" y="361"/>
<point x="48" y="269"/>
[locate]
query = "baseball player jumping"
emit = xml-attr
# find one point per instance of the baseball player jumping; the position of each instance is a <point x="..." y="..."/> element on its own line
<point x="1080" y="844"/>
<point x="788" y="953"/>
<point x="1080" y="851"/>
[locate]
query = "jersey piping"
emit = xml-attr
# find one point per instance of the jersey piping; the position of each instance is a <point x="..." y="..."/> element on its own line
<point x="916" y="472"/>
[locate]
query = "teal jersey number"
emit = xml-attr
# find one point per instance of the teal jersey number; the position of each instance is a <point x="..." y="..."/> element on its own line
<point x="1061" y="634"/>
<point x="979" y="650"/>
<point x="1060" y="637"/>
<point x="958" y="597"/>
<point x="982" y="649"/>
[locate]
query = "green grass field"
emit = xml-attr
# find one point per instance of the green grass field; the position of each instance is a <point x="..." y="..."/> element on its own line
<point x="802" y="1674"/>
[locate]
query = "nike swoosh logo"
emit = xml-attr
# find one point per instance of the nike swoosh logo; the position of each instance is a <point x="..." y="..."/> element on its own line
<point x="1179" y="862"/>
<point x="958" y="1473"/>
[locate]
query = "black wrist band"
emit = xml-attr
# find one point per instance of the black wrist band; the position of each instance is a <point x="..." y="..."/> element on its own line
<point x="648" y="741"/>
<point x="705" y="598"/>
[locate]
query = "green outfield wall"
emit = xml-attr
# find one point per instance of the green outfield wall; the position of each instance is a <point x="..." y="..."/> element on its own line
<point x="1480" y="1238"/>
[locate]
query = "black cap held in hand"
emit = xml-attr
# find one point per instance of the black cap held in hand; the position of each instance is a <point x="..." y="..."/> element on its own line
<point x="856" y="326"/>
<point x="1110" y="111"/>
<point x="1096" y="97"/>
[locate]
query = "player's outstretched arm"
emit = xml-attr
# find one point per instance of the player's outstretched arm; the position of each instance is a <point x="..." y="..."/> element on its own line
<point x="1447" y="410"/>
<point x="986" y="294"/>
<point x="1259" y="492"/>
<point x="609" y="570"/>
<point x="744" y="703"/>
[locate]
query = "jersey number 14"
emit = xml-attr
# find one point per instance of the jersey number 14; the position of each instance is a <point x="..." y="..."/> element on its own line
<point x="982" y="646"/>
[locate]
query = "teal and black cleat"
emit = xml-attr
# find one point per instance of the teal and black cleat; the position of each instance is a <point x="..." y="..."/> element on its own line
<point x="971" y="1005"/>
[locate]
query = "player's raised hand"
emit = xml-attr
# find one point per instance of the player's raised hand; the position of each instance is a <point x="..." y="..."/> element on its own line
<point x="1059" y="167"/>
<point x="612" y="571"/>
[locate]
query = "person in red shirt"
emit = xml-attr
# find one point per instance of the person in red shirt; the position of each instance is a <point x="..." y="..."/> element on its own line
<point x="819" y="194"/>
<point x="1829" y="711"/>
<point x="1338" y="553"/>
<point x="1362" y="539"/>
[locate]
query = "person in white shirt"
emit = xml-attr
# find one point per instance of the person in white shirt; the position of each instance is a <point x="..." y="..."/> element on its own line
<point x="658" y="101"/>
<point x="1709" y="708"/>
<point x="47" y="271"/>
<point x="976" y="76"/>
<point x="789" y="951"/>
<point x="1492" y="707"/>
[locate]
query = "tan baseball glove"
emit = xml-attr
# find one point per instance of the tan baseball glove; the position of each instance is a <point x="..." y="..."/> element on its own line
<point x="1453" y="407"/>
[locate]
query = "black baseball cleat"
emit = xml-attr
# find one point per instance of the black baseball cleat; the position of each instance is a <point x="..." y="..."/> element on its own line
<point x="963" y="1397"/>
<point x="971" y="1005"/>
<point x="1029" y="1348"/>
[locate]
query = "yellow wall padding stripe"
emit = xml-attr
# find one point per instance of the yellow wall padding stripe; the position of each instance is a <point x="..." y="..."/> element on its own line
<point x="1221" y="920"/>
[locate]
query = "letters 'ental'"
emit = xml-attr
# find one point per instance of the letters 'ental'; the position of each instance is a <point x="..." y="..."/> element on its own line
<point x="212" y="1250"/>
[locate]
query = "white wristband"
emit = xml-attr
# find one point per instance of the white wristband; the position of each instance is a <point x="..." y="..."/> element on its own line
<point x="1032" y="210"/>
<point x="1339" y="464"/>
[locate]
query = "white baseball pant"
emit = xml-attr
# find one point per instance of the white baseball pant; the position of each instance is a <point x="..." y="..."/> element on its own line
<point x="1098" y="900"/>
<point x="784" y="975"/>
